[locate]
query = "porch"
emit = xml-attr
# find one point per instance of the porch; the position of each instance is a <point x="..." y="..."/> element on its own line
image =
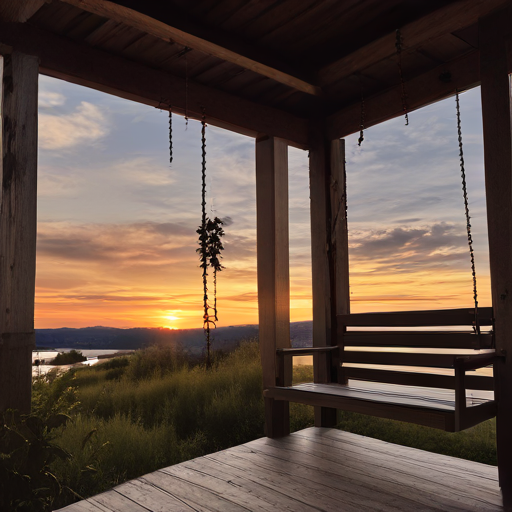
<point x="312" y="469"/>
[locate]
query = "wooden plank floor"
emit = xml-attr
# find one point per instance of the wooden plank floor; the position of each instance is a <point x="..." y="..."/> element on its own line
<point x="315" y="469"/>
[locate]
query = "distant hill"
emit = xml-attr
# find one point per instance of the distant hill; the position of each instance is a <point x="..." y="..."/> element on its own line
<point x="190" y="340"/>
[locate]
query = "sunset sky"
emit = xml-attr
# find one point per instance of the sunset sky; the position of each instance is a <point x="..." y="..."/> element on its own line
<point x="116" y="226"/>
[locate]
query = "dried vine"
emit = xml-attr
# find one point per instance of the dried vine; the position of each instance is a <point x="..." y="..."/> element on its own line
<point x="210" y="247"/>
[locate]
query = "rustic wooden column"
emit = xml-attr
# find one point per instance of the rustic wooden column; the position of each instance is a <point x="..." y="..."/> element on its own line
<point x="273" y="270"/>
<point x="329" y="252"/>
<point x="495" y="90"/>
<point x="18" y="177"/>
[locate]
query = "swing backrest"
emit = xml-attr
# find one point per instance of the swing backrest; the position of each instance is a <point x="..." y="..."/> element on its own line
<point x="377" y="346"/>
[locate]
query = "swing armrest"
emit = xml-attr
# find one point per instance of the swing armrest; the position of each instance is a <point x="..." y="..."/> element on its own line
<point x="467" y="363"/>
<point x="284" y="360"/>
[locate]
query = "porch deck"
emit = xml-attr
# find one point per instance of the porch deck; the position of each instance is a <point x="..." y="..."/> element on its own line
<point x="314" y="469"/>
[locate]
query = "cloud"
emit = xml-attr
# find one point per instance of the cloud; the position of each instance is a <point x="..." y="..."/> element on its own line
<point x="49" y="99"/>
<point x="148" y="242"/>
<point x="85" y="125"/>
<point x="54" y="182"/>
<point x="406" y="248"/>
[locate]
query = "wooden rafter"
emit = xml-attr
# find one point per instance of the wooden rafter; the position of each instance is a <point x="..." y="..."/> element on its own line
<point x="435" y="85"/>
<point x="449" y="19"/>
<point x="19" y="10"/>
<point x="166" y="32"/>
<point x="83" y="65"/>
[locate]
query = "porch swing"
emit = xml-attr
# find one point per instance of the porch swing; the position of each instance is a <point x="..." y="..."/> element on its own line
<point x="367" y="368"/>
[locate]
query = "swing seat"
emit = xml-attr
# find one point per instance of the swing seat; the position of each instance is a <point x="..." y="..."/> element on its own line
<point x="373" y="370"/>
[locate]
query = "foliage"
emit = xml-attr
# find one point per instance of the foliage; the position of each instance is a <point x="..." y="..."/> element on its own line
<point x="27" y="450"/>
<point x="71" y="357"/>
<point x="160" y="411"/>
<point x="210" y="247"/>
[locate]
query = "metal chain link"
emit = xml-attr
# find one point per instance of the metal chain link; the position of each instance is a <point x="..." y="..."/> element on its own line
<point x="476" y="325"/>
<point x="170" y="135"/>
<point x="343" y="202"/>
<point x="361" y="126"/>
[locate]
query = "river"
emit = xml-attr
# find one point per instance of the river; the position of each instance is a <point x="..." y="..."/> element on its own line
<point x="45" y="356"/>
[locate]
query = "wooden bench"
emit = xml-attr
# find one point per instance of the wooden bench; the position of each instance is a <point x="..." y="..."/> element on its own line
<point x="369" y="370"/>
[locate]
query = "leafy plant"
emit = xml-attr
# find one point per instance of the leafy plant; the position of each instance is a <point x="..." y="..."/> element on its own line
<point x="26" y="452"/>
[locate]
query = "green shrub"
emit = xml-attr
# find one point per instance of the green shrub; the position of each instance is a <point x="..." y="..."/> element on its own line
<point x="71" y="357"/>
<point x="27" y="451"/>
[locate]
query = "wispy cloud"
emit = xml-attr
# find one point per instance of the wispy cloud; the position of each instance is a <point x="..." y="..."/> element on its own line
<point x="84" y="125"/>
<point x="51" y="99"/>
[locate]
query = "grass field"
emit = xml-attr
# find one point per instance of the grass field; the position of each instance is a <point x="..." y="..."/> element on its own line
<point x="133" y="415"/>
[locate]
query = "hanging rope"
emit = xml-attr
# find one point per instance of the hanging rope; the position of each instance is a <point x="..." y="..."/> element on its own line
<point x="398" y="45"/>
<point x="476" y="326"/>
<point x="361" y="124"/>
<point x="170" y="135"/>
<point x="210" y="248"/>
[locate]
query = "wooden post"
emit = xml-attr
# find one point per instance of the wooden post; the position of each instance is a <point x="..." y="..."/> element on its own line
<point x="339" y="242"/>
<point x="329" y="252"/>
<point x="495" y="91"/>
<point x="18" y="177"/>
<point x="273" y="271"/>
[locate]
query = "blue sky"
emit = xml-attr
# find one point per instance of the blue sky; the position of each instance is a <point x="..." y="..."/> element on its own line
<point x="116" y="222"/>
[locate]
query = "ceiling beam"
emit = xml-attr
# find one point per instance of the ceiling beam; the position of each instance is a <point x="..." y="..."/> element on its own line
<point x="449" y="19"/>
<point x="19" y="10"/>
<point x="435" y="85"/>
<point x="169" y="33"/>
<point x="80" y="64"/>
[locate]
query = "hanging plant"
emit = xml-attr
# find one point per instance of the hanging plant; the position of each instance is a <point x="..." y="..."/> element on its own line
<point x="210" y="247"/>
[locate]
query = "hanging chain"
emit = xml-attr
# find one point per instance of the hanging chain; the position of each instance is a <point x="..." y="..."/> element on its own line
<point x="398" y="45"/>
<point x="343" y="206"/>
<point x="344" y="195"/>
<point x="204" y="240"/>
<point x="476" y="325"/>
<point x="170" y="135"/>
<point x="186" y="89"/>
<point x="361" y="125"/>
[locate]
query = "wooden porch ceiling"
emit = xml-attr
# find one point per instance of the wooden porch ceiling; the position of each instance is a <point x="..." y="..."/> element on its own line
<point x="259" y="65"/>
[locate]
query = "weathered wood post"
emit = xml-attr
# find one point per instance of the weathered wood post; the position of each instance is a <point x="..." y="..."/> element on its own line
<point x="273" y="270"/>
<point x="496" y="112"/>
<point x="329" y="251"/>
<point x="18" y="178"/>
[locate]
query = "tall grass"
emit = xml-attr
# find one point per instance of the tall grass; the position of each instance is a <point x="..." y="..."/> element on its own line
<point x="149" y="411"/>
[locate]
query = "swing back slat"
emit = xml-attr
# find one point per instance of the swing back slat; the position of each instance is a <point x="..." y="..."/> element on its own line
<point x="448" y="317"/>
